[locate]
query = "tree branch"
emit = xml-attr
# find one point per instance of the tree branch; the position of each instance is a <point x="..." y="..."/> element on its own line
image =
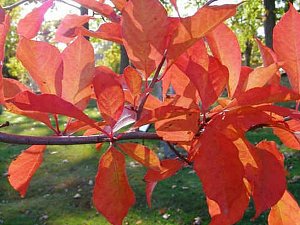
<point x="178" y="154"/>
<point x="210" y="2"/>
<point x="12" y="6"/>
<point x="73" y="140"/>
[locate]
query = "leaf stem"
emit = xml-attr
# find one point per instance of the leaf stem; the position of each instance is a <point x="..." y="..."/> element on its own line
<point x="178" y="154"/>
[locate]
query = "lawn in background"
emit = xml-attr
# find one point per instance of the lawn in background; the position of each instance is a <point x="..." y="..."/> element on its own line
<point x="60" y="192"/>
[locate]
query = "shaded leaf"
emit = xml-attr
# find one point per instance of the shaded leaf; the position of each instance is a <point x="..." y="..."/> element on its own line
<point x="22" y="169"/>
<point x="133" y="80"/>
<point x="112" y="194"/>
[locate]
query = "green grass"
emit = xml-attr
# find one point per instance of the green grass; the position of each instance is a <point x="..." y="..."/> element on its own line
<point x="68" y="170"/>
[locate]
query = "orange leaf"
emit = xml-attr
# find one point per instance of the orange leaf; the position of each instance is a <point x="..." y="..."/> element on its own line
<point x="142" y="154"/>
<point x="78" y="63"/>
<point x="110" y="95"/>
<point x="30" y="25"/>
<point x="289" y="137"/>
<point x="108" y="31"/>
<point x="133" y="80"/>
<point x="43" y="62"/>
<point x="22" y="169"/>
<point x="112" y="194"/>
<point x="225" y="47"/>
<point x="68" y="27"/>
<point x="191" y="29"/>
<point x="144" y="33"/>
<point x="286" y="44"/>
<point x="285" y="212"/>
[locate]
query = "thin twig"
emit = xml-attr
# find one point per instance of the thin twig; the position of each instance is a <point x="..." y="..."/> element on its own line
<point x="73" y="140"/>
<point x="151" y="85"/>
<point x="69" y="4"/>
<point x="209" y="2"/>
<point x="12" y="6"/>
<point x="178" y="154"/>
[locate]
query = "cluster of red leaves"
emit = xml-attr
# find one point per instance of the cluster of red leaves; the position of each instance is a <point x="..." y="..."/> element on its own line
<point x="210" y="128"/>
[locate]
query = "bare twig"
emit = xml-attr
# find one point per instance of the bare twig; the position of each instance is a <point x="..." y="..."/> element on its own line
<point x="209" y="2"/>
<point x="12" y="6"/>
<point x="73" y="140"/>
<point x="69" y="4"/>
<point x="151" y="85"/>
<point x="178" y="154"/>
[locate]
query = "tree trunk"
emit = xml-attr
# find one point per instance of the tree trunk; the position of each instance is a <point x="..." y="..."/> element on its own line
<point x="85" y="11"/>
<point x="270" y="20"/>
<point x="248" y="53"/>
<point x="124" y="59"/>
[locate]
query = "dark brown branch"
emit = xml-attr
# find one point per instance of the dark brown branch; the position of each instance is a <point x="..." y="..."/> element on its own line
<point x="210" y="2"/>
<point x="178" y="154"/>
<point x="6" y="124"/>
<point x="72" y="140"/>
<point x="69" y="4"/>
<point x="154" y="80"/>
<point x="12" y="6"/>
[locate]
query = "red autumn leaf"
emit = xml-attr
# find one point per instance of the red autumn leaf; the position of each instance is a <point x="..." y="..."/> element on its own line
<point x="133" y="80"/>
<point x="4" y="27"/>
<point x="43" y="62"/>
<point x="78" y="63"/>
<point x="119" y="4"/>
<point x="191" y="29"/>
<point x="149" y="190"/>
<point x="28" y="101"/>
<point x="285" y="212"/>
<point x="216" y="159"/>
<point x="209" y="83"/>
<point x="68" y="28"/>
<point x="142" y="154"/>
<point x="112" y="194"/>
<point x="144" y="33"/>
<point x="225" y="47"/>
<point x="101" y="8"/>
<point x="179" y="128"/>
<point x="261" y="76"/>
<point x="110" y="96"/>
<point x="245" y="71"/>
<point x="22" y="169"/>
<point x="30" y="25"/>
<point x="108" y="31"/>
<point x="267" y="176"/>
<point x="286" y="45"/>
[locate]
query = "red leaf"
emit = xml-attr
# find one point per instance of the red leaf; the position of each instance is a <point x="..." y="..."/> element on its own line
<point x="269" y="57"/>
<point x="261" y="76"/>
<point x="180" y="128"/>
<point x="43" y="62"/>
<point x="142" y="154"/>
<point x="285" y="212"/>
<point x="266" y="176"/>
<point x="245" y="71"/>
<point x="78" y="63"/>
<point x="209" y="83"/>
<point x="101" y="8"/>
<point x="149" y="190"/>
<point x="112" y="194"/>
<point x="120" y="4"/>
<point x="133" y="80"/>
<point x="214" y="164"/>
<point x="144" y="33"/>
<point x="110" y="96"/>
<point x="290" y="137"/>
<point x="30" y="25"/>
<point x="286" y="45"/>
<point x="68" y="28"/>
<point x="225" y="47"/>
<point x="191" y="29"/>
<point x="28" y="101"/>
<point x="22" y="169"/>
<point x="108" y="31"/>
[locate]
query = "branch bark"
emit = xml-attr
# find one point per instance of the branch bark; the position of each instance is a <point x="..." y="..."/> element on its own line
<point x="73" y="140"/>
<point x="12" y="6"/>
